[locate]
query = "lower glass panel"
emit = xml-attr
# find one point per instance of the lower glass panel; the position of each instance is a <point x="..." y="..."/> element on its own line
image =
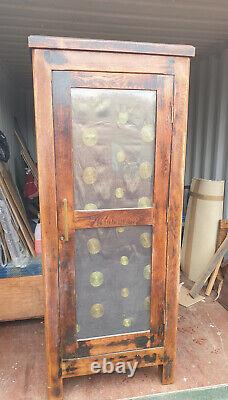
<point x="113" y="267"/>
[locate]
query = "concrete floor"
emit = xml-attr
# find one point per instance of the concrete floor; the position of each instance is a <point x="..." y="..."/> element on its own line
<point x="202" y="360"/>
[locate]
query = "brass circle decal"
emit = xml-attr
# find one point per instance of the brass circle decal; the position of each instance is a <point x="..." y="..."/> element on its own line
<point x="120" y="229"/>
<point x="119" y="193"/>
<point x="89" y="136"/>
<point x="147" y="271"/>
<point x="125" y="292"/>
<point x="90" y="206"/>
<point x="122" y="117"/>
<point x="144" y="202"/>
<point x="124" y="260"/>
<point x="93" y="246"/>
<point x="97" y="310"/>
<point x="96" y="278"/>
<point x="89" y="175"/>
<point x="120" y="156"/>
<point x="147" y="133"/>
<point x="147" y="303"/>
<point x="145" y="240"/>
<point x="127" y="322"/>
<point x="145" y="170"/>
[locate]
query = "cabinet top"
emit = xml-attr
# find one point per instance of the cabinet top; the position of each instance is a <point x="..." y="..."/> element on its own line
<point x="66" y="43"/>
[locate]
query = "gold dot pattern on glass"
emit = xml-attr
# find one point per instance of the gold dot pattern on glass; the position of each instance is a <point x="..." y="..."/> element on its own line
<point x="127" y="322"/>
<point x="120" y="156"/>
<point x="93" y="246"/>
<point x="89" y="175"/>
<point x="147" y="303"/>
<point x="119" y="193"/>
<point x="145" y="240"/>
<point x="145" y="170"/>
<point x="96" y="278"/>
<point x="90" y="206"/>
<point x="125" y="292"/>
<point x="120" y="229"/>
<point x="89" y="136"/>
<point x="124" y="260"/>
<point x="147" y="133"/>
<point x="144" y="202"/>
<point x="147" y="271"/>
<point x="97" y="310"/>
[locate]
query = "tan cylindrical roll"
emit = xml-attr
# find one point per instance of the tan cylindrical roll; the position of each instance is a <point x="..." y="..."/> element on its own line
<point x="205" y="209"/>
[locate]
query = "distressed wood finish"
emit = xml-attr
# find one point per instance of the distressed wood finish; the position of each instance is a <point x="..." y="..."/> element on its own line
<point x="110" y="45"/>
<point x="176" y="188"/>
<point x="111" y="344"/>
<point x="62" y="84"/>
<point x="113" y="218"/>
<point x="47" y="190"/>
<point x="82" y="366"/>
<point x="58" y="65"/>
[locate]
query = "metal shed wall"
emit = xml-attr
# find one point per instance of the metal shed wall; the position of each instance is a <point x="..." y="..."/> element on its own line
<point x="207" y="145"/>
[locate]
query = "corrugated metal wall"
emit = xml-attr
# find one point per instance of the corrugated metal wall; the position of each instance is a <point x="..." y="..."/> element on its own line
<point x="207" y="145"/>
<point x="12" y="104"/>
<point x="7" y="112"/>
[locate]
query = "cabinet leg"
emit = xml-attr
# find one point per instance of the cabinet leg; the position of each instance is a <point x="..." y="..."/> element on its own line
<point x="167" y="373"/>
<point x="55" y="390"/>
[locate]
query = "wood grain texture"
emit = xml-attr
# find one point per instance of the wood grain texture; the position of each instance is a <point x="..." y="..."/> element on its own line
<point x="21" y="298"/>
<point x="82" y="366"/>
<point x="113" y="218"/>
<point x="160" y="199"/>
<point x="176" y="187"/>
<point x="65" y="186"/>
<point x="49" y="42"/>
<point x="108" y="62"/>
<point x="48" y="213"/>
<point x="111" y="344"/>
<point x="104" y="65"/>
<point x="62" y="84"/>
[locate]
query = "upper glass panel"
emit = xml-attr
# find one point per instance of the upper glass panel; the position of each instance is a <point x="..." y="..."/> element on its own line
<point x="113" y="147"/>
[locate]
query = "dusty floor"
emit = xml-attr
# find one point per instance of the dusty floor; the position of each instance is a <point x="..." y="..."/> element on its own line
<point x="202" y="360"/>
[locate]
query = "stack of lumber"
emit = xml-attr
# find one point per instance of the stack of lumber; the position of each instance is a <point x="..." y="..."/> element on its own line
<point x="13" y="216"/>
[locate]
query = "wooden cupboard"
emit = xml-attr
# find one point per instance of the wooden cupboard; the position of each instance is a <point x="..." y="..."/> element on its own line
<point x="111" y="132"/>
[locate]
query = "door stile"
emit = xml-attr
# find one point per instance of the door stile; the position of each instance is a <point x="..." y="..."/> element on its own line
<point x="161" y="196"/>
<point x="65" y="201"/>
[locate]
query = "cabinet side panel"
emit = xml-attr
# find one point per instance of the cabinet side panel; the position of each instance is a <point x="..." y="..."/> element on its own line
<point x="181" y="87"/>
<point x="47" y="193"/>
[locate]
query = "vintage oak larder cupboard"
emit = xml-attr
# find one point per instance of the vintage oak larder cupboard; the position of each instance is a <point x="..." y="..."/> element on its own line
<point x="111" y="134"/>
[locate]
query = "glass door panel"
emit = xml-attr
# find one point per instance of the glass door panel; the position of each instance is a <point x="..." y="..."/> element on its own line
<point x="113" y="147"/>
<point x="113" y="280"/>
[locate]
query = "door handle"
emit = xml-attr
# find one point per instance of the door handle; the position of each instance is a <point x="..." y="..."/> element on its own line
<point x="65" y="238"/>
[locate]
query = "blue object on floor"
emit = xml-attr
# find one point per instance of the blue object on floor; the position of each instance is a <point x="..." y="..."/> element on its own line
<point x="33" y="267"/>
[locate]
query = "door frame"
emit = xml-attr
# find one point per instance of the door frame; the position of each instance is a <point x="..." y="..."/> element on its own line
<point x="156" y="216"/>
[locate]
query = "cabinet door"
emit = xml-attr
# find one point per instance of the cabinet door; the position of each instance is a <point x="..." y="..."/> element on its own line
<point x="112" y="145"/>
